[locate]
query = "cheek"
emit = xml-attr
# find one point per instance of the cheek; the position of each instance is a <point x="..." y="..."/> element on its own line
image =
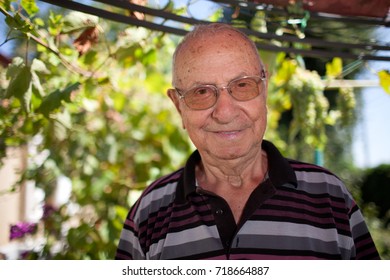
<point x="258" y="117"/>
<point x="257" y="110"/>
<point x="191" y="121"/>
<point x="194" y="122"/>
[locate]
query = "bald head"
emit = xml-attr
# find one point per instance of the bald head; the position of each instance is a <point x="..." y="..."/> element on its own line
<point x="211" y="39"/>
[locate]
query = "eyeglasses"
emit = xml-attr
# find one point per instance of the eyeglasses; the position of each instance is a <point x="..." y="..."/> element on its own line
<point x="203" y="97"/>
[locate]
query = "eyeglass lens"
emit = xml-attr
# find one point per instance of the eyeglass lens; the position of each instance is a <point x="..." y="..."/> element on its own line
<point x="204" y="97"/>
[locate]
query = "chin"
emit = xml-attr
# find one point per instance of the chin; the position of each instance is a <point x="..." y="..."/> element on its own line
<point x="228" y="154"/>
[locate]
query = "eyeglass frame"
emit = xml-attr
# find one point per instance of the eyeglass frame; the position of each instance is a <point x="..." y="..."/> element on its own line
<point x="217" y="91"/>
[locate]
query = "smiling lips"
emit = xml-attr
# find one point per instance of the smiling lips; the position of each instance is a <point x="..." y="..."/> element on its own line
<point x="228" y="134"/>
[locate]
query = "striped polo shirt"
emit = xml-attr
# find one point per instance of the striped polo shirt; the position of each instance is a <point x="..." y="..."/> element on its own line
<point x="301" y="211"/>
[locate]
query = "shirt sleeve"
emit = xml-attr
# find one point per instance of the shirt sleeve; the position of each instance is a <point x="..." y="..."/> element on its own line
<point x="364" y="245"/>
<point x="129" y="246"/>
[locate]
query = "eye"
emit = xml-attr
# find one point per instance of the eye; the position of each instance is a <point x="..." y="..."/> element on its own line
<point x="202" y="91"/>
<point x="201" y="97"/>
<point x="244" y="84"/>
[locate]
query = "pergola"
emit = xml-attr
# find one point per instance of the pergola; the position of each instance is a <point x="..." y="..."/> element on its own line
<point x="296" y="14"/>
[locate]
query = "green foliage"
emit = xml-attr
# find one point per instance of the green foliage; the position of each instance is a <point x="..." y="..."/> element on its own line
<point x="29" y="6"/>
<point x="20" y="83"/>
<point x="376" y="189"/>
<point x="301" y="92"/>
<point x="379" y="230"/>
<point x="377" y="223"/>
<point x="334" y="69"/>
<point x="102" y="117"/>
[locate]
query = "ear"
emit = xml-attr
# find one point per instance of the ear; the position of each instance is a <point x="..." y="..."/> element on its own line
<point x="266" y="74"/>
<point x="175" y="98"/>
<point x="176" y="101"/>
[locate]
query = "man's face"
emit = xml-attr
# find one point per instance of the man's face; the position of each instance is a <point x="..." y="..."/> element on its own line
<point x="230" y="129"/>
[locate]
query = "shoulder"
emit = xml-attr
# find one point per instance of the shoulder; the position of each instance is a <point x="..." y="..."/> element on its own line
<point x="312" y="170"/>
<point x="315" y="179"/>
<point x="165" y="182"/>
<point x="157" y="195"/>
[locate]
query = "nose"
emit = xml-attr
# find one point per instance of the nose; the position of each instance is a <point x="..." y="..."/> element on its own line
<point x="225" y="109"/>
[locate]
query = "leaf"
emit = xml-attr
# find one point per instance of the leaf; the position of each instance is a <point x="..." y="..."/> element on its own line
<point x="149" y="57"/>
<point x="14" y="68"/>
<point x="384" y="80"/>
<point x="86" y="40"/>
<point x="54" y="100"/>
<point x="6" y="5"/>
<point x="36" y="83"/>
<point x="60" y="125"/>
<point x="39" y="22"/>
<point x="286" y="70"/>
<point x="125" y="55"/>
<point x="30" y="6"/>
<point x="280" y="58"/>
<point x="38" y="66"/>
<point x="20" y="84"/>
<point x="55" y="23"/>
<point x="26" y="98"/>
<point x="75" y="21"/>
<point x="19" y="23"/>
<point x="334" y="69"/>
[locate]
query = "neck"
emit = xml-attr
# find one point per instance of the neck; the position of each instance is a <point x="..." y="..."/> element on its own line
<point x="237" y="173"/>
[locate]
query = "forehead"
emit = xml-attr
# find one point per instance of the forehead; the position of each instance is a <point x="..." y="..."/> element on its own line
<point x="214" y="42"/>
<point x="225" y="53"/>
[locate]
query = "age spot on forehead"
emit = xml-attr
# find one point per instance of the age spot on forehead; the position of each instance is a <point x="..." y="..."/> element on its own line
<point x="196" y="50"/>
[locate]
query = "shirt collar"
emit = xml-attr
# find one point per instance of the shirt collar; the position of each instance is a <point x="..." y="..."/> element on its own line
<point x="280" y="171"/>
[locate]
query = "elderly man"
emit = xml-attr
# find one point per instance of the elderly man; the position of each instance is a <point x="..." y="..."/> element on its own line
<point x="237" y="197"/>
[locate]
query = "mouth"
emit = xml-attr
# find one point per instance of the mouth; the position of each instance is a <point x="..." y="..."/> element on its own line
<point x="230" y="134"/>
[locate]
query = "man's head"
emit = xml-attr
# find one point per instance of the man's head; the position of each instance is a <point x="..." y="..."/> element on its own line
<point x="203" y="33"/>
<point x="233" y="123"/>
